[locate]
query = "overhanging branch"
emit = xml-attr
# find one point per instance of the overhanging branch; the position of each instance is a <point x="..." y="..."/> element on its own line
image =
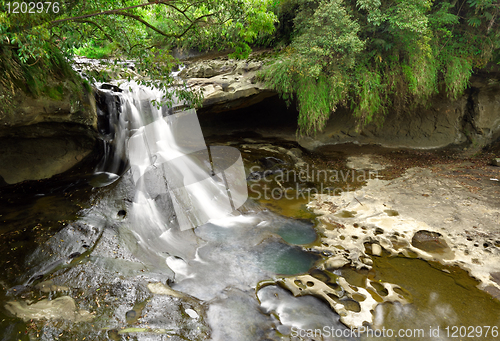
<point x="144" y="22"/>
<point x="112" y="11"/>
<point x="121" y="11"/>
<point x="96" y="25"/>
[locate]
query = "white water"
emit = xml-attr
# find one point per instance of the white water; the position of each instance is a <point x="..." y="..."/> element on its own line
<point x="183" y="217"/>
<point x="180" y="183"/>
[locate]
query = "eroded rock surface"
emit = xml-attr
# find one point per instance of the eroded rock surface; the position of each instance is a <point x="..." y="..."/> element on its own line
<point x="438" y="219"/>
<point x="227" y="84"/>
<point x="421" y="214"/>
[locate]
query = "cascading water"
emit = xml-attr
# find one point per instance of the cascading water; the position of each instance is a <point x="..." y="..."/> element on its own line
<point x="180" y="183"/>
<point x="164" y="210"/>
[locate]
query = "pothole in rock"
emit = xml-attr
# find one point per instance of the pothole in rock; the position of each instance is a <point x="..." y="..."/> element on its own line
<point x="392" y="260"/>
<point x="354" y="304"/>
<point x="430" y="241"/>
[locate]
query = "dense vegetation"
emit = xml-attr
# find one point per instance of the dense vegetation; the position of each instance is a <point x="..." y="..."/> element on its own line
<point x="370" y="55"/>
<point x="34" y="46"/>
<point x="380" y="55"/>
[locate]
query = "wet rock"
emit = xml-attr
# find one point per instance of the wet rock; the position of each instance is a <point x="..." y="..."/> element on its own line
<point x="18" y="290"/>
<point x="63" y="308"/>
<point x="112" y="87"/>
<point x="163" y="289"/>
<point x="257" y="175"/>
<point x="336" y="262"/>
<point x="47" y="135"/>
<point x="131" y="316"/>
<point x="493" y="291"/>
<point x="113" y="335"/>
<point x="495" y="277"/>
<point x="49" y="286"/>
<point x="237" y="309"/>
<point x="74" y="255"/>
<point x="43" y="150"/>
<point x="193" y="314"/>
<point x="36" y="278"/>
<point x="430" y="242"/>
<point x="270" y="161"/>
<point x="296" y="152"/>
<point x="305" y="313"/>
<point x="122" y="213"/>
<point x="354" y="313"/>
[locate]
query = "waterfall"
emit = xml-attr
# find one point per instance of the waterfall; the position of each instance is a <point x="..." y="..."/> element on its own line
<point x="180" y="182"/>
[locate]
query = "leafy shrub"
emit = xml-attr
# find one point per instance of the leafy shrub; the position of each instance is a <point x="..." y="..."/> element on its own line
<point x="377" y="55"/>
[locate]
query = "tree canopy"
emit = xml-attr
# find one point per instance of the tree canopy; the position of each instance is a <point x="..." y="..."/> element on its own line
<point x="370" y="55"/>
<point x="32" y="45"/>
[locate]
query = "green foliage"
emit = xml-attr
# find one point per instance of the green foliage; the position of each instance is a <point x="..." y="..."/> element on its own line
<point x="97" y="52"/>
<point x="457" y="74"/>
<point x="370" y="95"/>
<point x="380" y="55"/>
<point x="241" y="51"/>
<point x="21" y="71"/>
<point x="316" y="97"/>
<point x="370" y="55"/>
<point x="34" y="45"/>
<point x="223" y="24"/>
<point x="329" y="37"/>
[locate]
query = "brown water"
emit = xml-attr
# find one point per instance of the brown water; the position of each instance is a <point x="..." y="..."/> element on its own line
<point x="443" y="299"/>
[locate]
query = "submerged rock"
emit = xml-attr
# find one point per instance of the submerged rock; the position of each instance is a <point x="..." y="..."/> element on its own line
<point x="131" y="316"/>
<point x="60" y="308"/>
<point x="365" y="162"/>
<point x="49" y="286"/>
<point x="163" y="289"/>
<point x="430" y="242"/>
